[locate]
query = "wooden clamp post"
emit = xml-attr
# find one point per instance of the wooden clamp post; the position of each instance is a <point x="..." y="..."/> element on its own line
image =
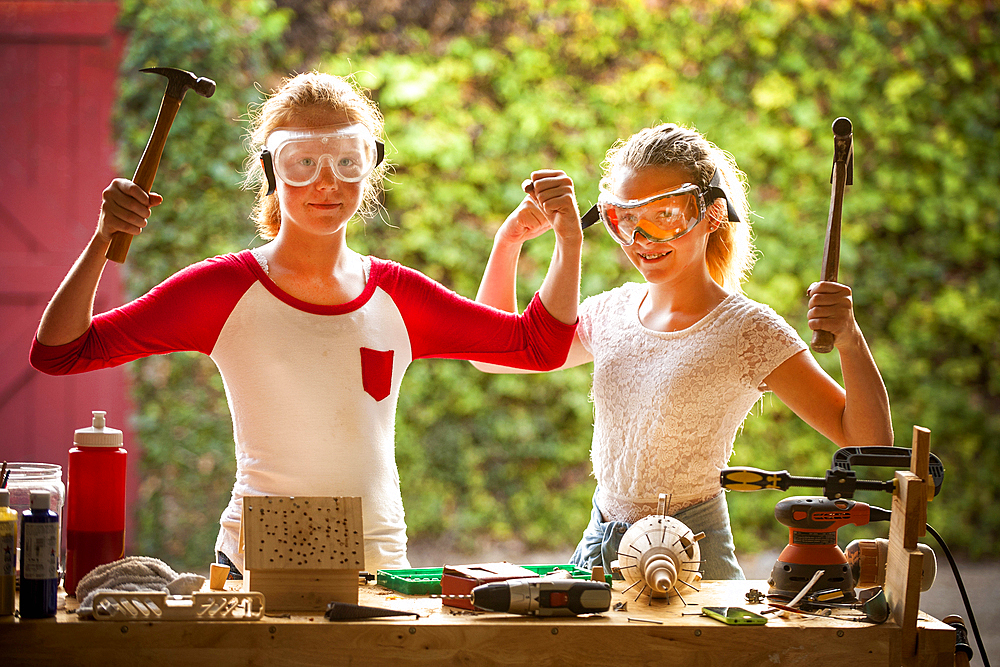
<point x="904" y="561"/>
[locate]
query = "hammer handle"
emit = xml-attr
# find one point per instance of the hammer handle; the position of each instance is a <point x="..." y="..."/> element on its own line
<point x="822" y="341"/>
<point x="146" y="171"/>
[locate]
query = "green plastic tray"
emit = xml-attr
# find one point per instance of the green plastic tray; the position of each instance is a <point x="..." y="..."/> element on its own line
<point x="427" y="580"/>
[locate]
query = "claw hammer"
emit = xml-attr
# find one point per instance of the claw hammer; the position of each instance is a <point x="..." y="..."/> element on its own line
<point x="178" y="83"/>
<point x="842" y="175"/>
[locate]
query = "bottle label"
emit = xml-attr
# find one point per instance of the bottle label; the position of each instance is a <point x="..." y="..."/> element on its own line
<point x="40" y="555"/>
<point x="7" y="548"/>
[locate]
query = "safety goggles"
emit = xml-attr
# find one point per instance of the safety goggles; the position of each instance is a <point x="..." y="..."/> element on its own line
<point x="298" y="155"/>
<point x="660" y="218"/>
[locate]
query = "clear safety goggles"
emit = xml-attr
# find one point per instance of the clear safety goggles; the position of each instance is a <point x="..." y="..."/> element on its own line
<point x="298" y="155"/>
<point x="660" y="218"/>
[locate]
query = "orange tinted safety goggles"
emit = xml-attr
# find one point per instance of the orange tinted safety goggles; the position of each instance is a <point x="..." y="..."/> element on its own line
<point x="660" y="218"/>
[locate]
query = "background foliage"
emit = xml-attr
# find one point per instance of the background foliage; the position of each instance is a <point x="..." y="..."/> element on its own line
<point x="476" y="95"/>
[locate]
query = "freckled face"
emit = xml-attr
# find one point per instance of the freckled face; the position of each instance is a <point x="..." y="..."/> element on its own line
<point x="671" y="260"/>
<point x="326" y="205"/>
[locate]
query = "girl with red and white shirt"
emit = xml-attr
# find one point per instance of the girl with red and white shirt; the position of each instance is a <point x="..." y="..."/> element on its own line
<point x="310" y="337"/>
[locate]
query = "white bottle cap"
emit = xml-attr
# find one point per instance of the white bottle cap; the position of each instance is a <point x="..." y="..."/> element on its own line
<point x="39" y="500"/>
<point x="4" y="498"/>
<point x="98" y="435"/>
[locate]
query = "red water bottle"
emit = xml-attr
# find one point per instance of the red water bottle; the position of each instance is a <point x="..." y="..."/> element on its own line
<point x="95" y="501"/>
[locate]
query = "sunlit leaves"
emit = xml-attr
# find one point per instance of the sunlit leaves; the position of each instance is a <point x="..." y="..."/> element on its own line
<point x="528" y="84"/>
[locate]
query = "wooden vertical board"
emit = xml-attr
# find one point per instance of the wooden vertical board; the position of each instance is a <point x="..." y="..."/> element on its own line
<point x="303" y="533"/>
<point x="904" y="522"/>
<point x="920" y="454"/>
<point x="920" y="465"/>
<point x="903" y="578"/>
<point x="904" y="562"/>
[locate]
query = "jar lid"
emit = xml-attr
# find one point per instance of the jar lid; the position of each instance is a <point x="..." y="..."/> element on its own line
<point x="98" y="435"/>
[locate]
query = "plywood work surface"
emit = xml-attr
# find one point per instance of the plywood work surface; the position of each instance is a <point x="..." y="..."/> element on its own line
<point x="643" y="634"/>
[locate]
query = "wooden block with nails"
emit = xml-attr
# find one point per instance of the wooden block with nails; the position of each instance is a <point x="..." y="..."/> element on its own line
<point x="303" y="552"/>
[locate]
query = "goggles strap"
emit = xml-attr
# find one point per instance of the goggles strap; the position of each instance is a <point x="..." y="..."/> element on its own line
<point x="591" y="217"/>
<point x="716" y="191"/>
<point x="268" y="164"/>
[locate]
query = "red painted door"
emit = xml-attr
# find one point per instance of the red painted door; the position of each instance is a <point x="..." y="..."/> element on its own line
<point x="58" y="70"/>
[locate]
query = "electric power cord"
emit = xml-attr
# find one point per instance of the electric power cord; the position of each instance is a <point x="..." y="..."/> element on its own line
<point x="965" y="596"/>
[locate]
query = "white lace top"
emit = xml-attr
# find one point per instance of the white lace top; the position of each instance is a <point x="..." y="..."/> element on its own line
<point x="668" y="405"/>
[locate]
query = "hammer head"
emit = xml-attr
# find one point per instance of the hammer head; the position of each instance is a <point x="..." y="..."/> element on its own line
<point x="843" y="146"/>
<point x="179" y="81"/>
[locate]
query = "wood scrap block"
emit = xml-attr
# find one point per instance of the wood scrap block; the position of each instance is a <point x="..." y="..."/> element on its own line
<point x="303" y="552"/>
<point x="218" y="574"/>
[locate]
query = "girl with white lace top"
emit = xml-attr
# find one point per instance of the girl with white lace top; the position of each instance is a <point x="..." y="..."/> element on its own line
<point x="681" y="358"/>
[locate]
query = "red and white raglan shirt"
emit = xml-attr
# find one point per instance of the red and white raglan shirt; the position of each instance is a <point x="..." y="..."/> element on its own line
<point x="312" y="389"/>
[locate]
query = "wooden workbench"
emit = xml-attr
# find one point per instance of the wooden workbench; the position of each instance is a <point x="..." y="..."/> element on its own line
<point x="443" y="636"/>
<point x="656" y="633"/>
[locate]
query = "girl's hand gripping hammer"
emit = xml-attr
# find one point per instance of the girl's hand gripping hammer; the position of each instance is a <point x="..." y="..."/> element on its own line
<point x="842" y="175"/>
<point x="178" y="82"/>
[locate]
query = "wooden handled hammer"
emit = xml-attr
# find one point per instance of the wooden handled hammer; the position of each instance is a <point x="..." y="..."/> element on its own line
<point x="843" y="175"/>
<point x="178" y="83"/>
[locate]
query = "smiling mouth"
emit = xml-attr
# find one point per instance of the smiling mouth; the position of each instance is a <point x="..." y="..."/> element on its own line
<point x="650" y="256"/>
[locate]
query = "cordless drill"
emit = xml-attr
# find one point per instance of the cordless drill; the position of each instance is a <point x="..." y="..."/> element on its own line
<point x="543" y="596"/>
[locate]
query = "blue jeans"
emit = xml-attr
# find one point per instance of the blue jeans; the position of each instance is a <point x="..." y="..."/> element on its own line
<point x="599" y="545"/>
<point x="234" y="572"/>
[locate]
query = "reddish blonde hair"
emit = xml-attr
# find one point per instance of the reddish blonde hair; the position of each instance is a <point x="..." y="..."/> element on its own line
<point x="294" y="94"/>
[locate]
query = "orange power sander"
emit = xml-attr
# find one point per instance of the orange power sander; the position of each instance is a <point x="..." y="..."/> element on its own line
<point x="813" y="521"/>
